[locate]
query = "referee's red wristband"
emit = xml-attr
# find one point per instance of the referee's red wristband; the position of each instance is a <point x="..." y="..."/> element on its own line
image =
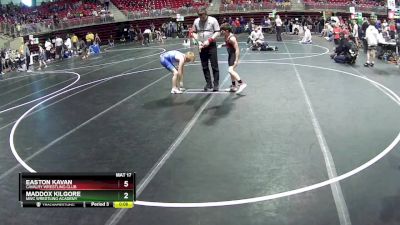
<point x="210" y="40"/>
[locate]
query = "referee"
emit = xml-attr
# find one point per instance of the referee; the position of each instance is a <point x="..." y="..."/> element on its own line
<point x="278" y="23"/>
<point x="205" y="31"/>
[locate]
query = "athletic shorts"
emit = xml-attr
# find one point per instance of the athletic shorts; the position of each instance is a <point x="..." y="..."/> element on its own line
<point x="167" y="64"/>
<point x="372" y="47"/>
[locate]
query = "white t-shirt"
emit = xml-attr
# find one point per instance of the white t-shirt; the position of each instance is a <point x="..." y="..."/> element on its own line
<point x="307" y="36"/>
<point x="372" y="35"/>
<point x="147" y="31"/>
<point x="384" y="25"/>
<point x="59" y="42"/>
<point x="278" y="22"/>
<point x="256" y="35"/>
<point x="48" y="45"/>
<point x="68" y="43"/>
<point x="355" y="30"/>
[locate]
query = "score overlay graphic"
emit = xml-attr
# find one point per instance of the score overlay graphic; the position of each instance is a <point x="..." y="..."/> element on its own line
<point x="86" y="190"/>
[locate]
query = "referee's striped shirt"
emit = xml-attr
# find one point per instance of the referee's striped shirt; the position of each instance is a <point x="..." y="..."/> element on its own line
<point x="205" y="29"/>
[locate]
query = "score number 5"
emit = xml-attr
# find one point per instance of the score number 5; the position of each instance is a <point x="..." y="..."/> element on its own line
<point x="126" y="183"/>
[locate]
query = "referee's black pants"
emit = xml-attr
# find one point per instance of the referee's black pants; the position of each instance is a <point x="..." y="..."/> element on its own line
<point x="278" y="33"/>
<point x="27" y="61"/>
<point x="206" y="54"/>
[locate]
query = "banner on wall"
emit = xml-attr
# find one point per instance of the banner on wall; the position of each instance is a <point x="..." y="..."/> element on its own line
<point x="396" y="13"/>
<point x="391" y="14"/>
<point x="180" y="18"/>
<point x="391" y="4"/>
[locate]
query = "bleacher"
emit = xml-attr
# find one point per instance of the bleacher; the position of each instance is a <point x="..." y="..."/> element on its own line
<point x="77" y="23"/>
<point x="364" y="3"/>
<point x="254" y="5"/>
<point x="129" y="5"/>
<point x="343" y="5"/>
<point x="63" y="9"/>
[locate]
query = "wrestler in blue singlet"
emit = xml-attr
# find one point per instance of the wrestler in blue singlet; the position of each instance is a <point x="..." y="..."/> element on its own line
<point x="168" y="59"/>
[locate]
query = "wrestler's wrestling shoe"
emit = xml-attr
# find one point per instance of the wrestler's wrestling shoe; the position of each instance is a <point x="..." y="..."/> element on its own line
<point x="242" y="86"/>
<point x="176" y="91"/>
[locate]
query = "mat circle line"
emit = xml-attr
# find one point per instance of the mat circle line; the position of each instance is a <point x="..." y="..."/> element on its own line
<point x="125" y="60"/>
<point x="346" y="175"/>
<point x="78" y="77"/>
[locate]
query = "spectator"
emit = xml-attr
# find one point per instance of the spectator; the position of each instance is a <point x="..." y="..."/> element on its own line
<point x="384" y="25"/>
<point x="378" y="25"/>
<point x="321" y="24"/>
<point x="307" y="39"/>
<point x="59" y="44"/>
<point x="27" y="54"/>
<point x="286" y="23"/>
<point x="2" y="58"/>
<point x="385" y="34"/>
<point x="371" y="35"/>
<point x="250" y="26"/>
<point x="48" y="45"/>
<point x="122" y="40"/>
<point x="346" y="52"/>
<point x="268" y="22"/>
<point x="131" y="33"/>
<point x="237" y="25"/>
<point x="224" y="20"/>
<point x="146" y="37"/>
<point x="256" y="38"/>
<point x="160" y="35"/>
<point x="111" y="41"/>
<point x="392" y="29"/>
<point x="94" y="49"/>
<point x="242" y="23"/>
<point x="355" y="32"/>
<point x="74" y="40"/>
<point x="336" y="34"/>
<point x="82" y="48"/>
<point x="106" y="5"/>
<point x="68" y="43"/>
<point x="89" y="38"/>
<point x="364" y="27"/>
<point x="41" y="57"/>
<point x="264" y="21"/>
<point x="97" y="39"/>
